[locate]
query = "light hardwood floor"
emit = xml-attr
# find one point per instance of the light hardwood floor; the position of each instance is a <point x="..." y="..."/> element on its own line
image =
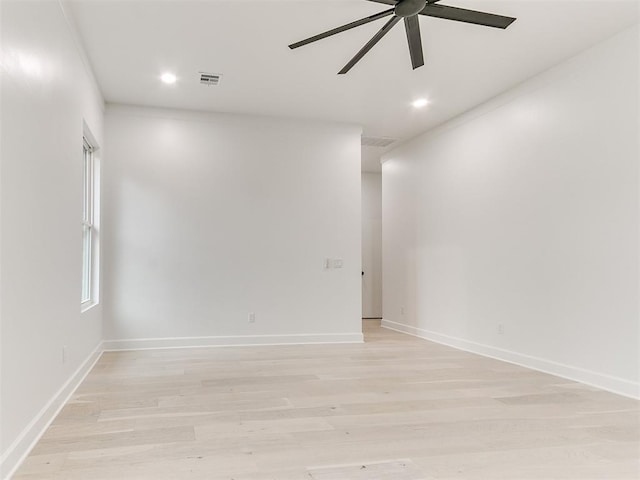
<point x="394" y="408"/>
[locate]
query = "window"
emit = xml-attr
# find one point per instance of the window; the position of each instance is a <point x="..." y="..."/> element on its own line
<point x="89" y="294"/>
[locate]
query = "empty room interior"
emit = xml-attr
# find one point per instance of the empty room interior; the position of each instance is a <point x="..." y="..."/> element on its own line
<point x="319" y="239"/>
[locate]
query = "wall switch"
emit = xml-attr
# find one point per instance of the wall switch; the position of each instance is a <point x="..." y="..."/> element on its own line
<point x="401" y="310"/>
<point x="327" y="263"/>
<point x="337" y="263"/>
<point x="252" y="317"/>
<point x="500" y="328"/>
<point x="64" y="354"/>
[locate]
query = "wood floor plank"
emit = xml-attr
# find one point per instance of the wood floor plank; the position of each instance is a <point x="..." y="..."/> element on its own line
<point x="396" y="405"/>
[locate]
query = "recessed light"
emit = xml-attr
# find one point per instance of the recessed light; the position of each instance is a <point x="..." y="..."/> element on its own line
<point x="421" y="102"/>
<point x="168" y="78"/>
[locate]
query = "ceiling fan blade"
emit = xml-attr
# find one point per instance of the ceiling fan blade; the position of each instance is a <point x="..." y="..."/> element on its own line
<point x="412" y="26"/>
<point x="370" y="44"/>
<point x="393" y="2"/>
<point x="341" y="29"/>
<point x="467" y="16"/>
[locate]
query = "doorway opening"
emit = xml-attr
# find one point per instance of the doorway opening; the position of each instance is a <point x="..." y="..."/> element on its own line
<point x="371" y="191"/>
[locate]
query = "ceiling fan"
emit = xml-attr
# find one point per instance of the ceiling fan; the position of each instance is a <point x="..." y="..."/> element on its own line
<point x="409" y="11"/>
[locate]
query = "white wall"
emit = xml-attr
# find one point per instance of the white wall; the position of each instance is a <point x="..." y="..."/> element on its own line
<point x="524" y="213"/>
<point x="372" y="245"/>
<point x="46" y="93"/>
<point x="212" y="216"/>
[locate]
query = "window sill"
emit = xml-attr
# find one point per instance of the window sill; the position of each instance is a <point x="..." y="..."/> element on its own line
<point x="86" y="306"/>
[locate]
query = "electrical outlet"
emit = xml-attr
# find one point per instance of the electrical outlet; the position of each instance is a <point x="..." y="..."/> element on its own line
<point x="337" y="263"/>
<point x="500" y="329"/>
<point x="252" y="317"/>
<point x="64" y="354"/>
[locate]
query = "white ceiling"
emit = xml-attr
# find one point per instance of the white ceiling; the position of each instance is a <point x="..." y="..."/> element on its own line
<point x="130" y="42"/>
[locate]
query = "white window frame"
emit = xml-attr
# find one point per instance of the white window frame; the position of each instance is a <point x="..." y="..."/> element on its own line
<point x="89" y="292"/>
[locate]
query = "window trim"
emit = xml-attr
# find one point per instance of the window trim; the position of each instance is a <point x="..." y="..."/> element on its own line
<point x="89" y="282"/>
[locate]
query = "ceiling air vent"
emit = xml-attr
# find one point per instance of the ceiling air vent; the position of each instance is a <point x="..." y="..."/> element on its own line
<point x="380" y="142"/>
<point x="210" y="78"/>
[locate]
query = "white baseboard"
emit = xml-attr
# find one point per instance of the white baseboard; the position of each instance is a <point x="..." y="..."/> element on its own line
<point x="616" y="385"/>
<point x="232" y="341"/>
<point x="18" y="451"/>
<point x="15" y="454"/>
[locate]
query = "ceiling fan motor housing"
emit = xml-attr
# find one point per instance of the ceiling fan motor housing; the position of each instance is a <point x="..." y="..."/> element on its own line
<point x="408" y="8"/>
